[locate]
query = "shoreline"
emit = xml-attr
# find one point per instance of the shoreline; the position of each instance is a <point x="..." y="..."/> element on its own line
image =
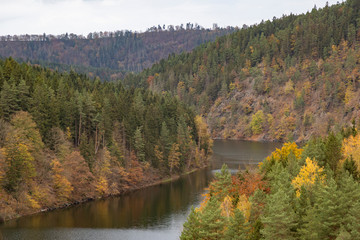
<point x="165" y="180"/>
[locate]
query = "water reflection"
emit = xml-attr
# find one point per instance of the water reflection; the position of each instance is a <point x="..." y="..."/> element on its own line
<point x="146" y="208"/>
<point x="157" y="212"/>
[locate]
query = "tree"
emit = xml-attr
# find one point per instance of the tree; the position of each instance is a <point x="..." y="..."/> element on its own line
<point x="333" y="151"/>
<point x="79" y="175"/>
<point x="8" y="101"/>
<point x="61" y="185"/>
<point x="257" y="122"/>
<point x="102" y="170"/>
<point x="281" y="156"/>
<point x="351" y="167"/>
<point x="165" y="139"/>
<point x="309" y="174"/>
<point x="44" y="109"/>
<point x="323" y="219"/>
<point x="174" y="157"/>
<point x="159" y="155"/>
<point x="351" y="149"/>
<point x="220" y="187"/>
<point x="237" y="229"/>
<point x="191" y="228"/>
<point x="212" y="223"/>
<point x="23" y="143"/>
<point x="139" y="144"/>
<point x="26" y="130"/>
<point x="20" y="165"/>
<point x="205" y="141"/>
<point x="279" y="218"/>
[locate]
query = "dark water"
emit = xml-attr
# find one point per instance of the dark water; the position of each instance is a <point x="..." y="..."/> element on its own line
<point x="153" y="213"/>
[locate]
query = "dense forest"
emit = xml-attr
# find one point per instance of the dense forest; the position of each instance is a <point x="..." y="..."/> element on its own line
<point x="65" y="138"/>
<point x="296" y="193"/>
<point x="108" y="55"/>
<point x="307" y="64"/>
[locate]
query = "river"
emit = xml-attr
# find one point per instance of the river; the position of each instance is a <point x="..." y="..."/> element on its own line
<point x="157" y="212"/>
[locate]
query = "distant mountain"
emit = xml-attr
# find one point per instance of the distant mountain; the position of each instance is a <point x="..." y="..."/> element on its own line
<point x="107" y="54"/>
<point x="285" y="79"/>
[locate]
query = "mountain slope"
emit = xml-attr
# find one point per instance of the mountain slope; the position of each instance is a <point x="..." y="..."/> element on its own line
<point x="284" y="79"/>
<point x="117" y="51"/>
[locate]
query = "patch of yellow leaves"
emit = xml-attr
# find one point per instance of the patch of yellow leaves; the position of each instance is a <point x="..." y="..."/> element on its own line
<point x="309" y="174"/>
<point x="351" y="147"/>
<point x="282" y="154"/>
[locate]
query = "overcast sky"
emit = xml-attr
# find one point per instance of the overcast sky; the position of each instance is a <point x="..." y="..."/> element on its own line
<point x="84" y="16"/>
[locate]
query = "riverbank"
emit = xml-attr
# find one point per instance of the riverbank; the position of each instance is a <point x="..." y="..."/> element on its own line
<point x="154" y="213"/>
<point x="143" y="185"/>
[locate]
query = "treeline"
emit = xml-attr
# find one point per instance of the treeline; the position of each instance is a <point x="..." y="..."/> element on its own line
<point x="106" y="34"/>
<point x="302" y="62"/>
<point x="297" y="193"/>
<point x="121" y="50"/>
<point x="66" y="138"/>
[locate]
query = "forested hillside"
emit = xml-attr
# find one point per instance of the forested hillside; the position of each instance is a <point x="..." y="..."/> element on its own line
<point x="285" y="79"/>
<point x="107" y="55"/>
<point x="65" y="138"/>
<point x="296" y="193"/>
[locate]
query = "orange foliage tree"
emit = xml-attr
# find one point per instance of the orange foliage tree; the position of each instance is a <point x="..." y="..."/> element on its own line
<point x="61" y="185"/>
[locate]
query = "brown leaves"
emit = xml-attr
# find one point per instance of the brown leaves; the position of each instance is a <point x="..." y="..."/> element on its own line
<point x="247" y="184"/>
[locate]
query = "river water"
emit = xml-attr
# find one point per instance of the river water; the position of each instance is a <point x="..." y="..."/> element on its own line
<point x="156" y="212"/>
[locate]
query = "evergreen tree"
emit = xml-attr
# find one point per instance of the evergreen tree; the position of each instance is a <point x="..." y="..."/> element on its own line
<point x="332" y="151"/>
<point x="350" y="166"/>
<point x="9" y="102"/>
<point x="165" y="139"/>
<point x="220" y="187"/>
<point x="279" y="218"/>
<point x="191" y="228"/>
<point x="237" y="229"/>
<point x="139" y="144"/>
<point x="212" y="223"/>
<point x="323" y="219"/>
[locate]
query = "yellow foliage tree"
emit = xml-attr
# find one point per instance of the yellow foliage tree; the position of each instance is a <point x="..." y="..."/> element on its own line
<point x="174" y="157"/>
<point x="289" y="87"/>
<point x="351" y="147"/>
<point x="257" y="122"/>
<point x="281" y="155"/>
<point x="309" y="174"/>
<point x="244" y="205"/>
<point x="205" y="141"/>
<point x="102" y="186"/>
<point x="61" y="185"/>
<point x="31" y="202"/>
<point x="226" y="207"/>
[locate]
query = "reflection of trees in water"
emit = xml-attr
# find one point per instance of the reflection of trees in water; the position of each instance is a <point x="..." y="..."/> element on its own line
<point x="146" y="207"/>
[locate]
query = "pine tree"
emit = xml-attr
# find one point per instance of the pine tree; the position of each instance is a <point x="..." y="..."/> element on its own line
<point x="333" y="151"/>
<point x="350" y="166"/>
<point x="237" y="229"/>
<point x="139" y="144"/>
<point x="220" y="186"/>
<point x="212" y="223"/>
<point x="9" y="102"/>
<point x="323" y="219"/>
<point x="191" y="228"/>
<point x="23" y="95"/>
<point x="165" y="139"/>
<point x="279" y="218"/>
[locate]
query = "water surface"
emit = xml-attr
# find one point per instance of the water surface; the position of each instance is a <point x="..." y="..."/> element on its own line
<point x="156" y="212"/>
